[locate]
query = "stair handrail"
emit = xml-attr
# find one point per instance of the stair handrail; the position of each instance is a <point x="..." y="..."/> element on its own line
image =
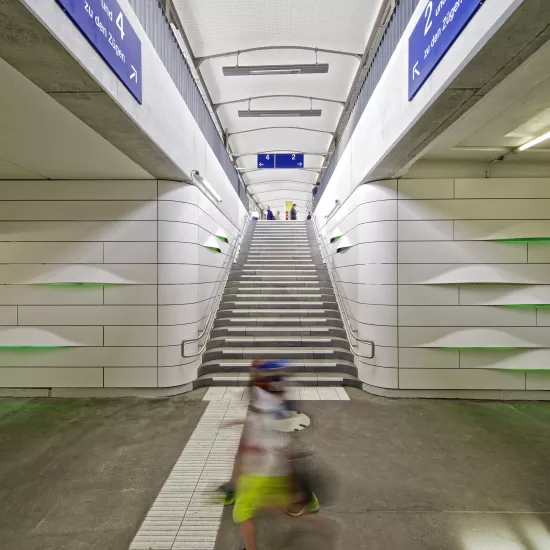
<point x="218" y="296"/>
<point x="341" y="303"/>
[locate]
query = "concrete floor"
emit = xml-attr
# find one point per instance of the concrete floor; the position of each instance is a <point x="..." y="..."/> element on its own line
<point x="418" y="475"/>
<point x="82" y="474"/>
<point x="412" y="475"/>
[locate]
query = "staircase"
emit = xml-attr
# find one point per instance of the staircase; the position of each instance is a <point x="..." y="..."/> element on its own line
<point x="279" y="303"/>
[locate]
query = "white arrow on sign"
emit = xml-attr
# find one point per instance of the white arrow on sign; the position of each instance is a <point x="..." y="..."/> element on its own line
<point x="300" y="164"/>
<point x="416" y="72"/>
<point x="261" y="164"/>
<point x="134" y="75"/>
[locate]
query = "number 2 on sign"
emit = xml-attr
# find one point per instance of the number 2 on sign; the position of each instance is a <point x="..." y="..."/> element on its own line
<point x="120" y="24"/>
<point x="428" y="16"/>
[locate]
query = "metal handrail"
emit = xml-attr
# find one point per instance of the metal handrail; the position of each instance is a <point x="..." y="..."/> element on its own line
<point x="341" y="303"/>
<point x="217" y="297"/>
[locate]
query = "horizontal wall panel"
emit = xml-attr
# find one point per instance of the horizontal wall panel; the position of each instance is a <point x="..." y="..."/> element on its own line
<point x="50" y="337"/>
<point x="426" y="189"/>
<point x="538" y="381"/>
<point x="88" y="315"/>
<point x="174" y="335"/>
<point x="169" y="356"/>
<point x="488" y="295"/>
<point x="365" y="253"/>
<point x="185" y="294"/>
<point x="176" y="274"/>
<point x="425" y="231"/>
<point x="386" y="357"/>
<point x="372" y="233"/>
<point x="51" y="296"/>
<point x="171" y="211"/>
<point x="142" y="377"/>
<point x="460" y="316"/>
<point x="475" y="337"/>
<point x="175" y="314"/>
<point x="462" y="252"/>
<point x="57" y="274"/>
<point x="130" y="336"/>
<point x="424" y="274"/>
<point x="8" y="315"/>
<point x="418" y="358"/>
<point x="80" y="357"/>
<point x="51" y="253"/>
<point x="78" y="210"/>
<point x="494" y="188"/>
<point x="51" y="378"/>
<point x="381" y="335"/>
<point x="78" y="190"/>
<point x="131" y="295"/>
<point x="429" y="295"/>
<point x="460" y="379"/>
<point x="178" y="375"/>
<point x="178" y="232"/>
<point x="131" y="253"/>
<point x="372" y="294"/>
<point x="379" y="377"/>
<point x="543" y="317"/>
<point x="520" y="360"/>
<point x="502" y="229"/>
<point x="481" y="209"/>
<point x="368" y="274"/>
<point x="539" y="253"/>
<point x="376" y="315"/>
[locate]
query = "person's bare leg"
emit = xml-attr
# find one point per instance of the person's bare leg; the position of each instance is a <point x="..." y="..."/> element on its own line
<point x="248" y="534"/>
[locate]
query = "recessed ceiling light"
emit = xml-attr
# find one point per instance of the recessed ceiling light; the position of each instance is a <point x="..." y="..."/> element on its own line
<point x="274" y="70"/>
<point x="260" y="113"/>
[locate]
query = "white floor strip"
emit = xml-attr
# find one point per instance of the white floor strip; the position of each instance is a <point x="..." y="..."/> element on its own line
<point x="302" y="393"/>
<point x="186" y="515"/>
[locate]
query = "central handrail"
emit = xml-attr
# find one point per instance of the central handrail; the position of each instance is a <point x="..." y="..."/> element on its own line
<point x="217" y="297"/>
<point x="340" y="300"/>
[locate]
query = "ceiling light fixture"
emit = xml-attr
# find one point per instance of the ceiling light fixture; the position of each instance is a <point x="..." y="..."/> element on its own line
<point x="533" y="142"/>
<point x="261" y="113"/>
<point x="274" y="70"/>
<point x="206" y="185"/>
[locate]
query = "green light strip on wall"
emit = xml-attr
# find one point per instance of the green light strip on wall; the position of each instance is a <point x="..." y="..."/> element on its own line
<point x="213" y="249"/>
<point x="34" y="348"/>
<point x="224" y="239"/>
<point x="86" y="285"/>
<point x="334" y="239"/>
<point x="526" y="306"/>
<point x="477" y="348"/>
<point x="523" y="240"/>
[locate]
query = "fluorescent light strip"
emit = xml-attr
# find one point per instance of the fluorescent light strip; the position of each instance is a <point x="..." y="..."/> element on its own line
<point x="260" y="113"/>
<point x="206" y="185"/>
<point x="533" y="142"/>
<point x="275" y="70"/>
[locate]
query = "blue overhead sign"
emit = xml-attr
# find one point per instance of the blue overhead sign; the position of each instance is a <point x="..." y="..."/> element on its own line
<point x="290" y="160"/>
<point x="441" y="23"/>
<point x="281" y="160"/>
<point x="108" y="30"/>
<point x="266" y="161"/>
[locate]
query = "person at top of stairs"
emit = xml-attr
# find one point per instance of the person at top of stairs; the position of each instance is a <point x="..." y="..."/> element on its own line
<point x="269" y="214"/>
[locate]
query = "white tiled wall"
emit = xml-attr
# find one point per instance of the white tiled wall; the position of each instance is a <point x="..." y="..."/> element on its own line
<point x="425" y="277"/>
<point x="138" y="243"/>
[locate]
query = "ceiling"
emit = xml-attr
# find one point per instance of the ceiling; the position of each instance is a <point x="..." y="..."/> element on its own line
<point x="514" y="113"/>
<point x="40" y="139"/>
<point x="278" y="33"/>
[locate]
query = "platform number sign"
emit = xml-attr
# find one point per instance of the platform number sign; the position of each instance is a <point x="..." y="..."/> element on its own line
<point x="109" y="31"/>
<point x="441" y="23"/>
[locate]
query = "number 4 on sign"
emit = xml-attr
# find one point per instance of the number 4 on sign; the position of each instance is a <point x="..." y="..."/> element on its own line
<point x="120" y="25"/>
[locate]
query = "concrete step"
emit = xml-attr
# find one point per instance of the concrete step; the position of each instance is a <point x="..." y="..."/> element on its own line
<point x="276" y="304"/>
<point x="269" y="276"/>
<point x="250" y="321"/>
<point x="283" y="330"/>
<point x="303" y="297"/>
<point x="276" y="312"/>
<point x="299" y="379"/>
<point x="318" y="366"/>
<point x="276" y="352"/>
<point x="278" y="341"/>
<point x="280" y="290"/>
<point x="281" y="283"/>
